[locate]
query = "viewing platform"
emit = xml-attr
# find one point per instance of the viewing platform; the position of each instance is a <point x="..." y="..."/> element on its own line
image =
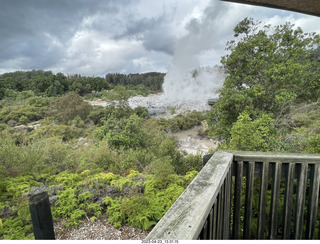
<point x="247" y="195"/>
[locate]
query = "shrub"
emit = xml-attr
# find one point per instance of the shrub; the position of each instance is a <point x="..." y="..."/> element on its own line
<point x="126" y="133"/>
<point x="69" y="107"/>
<point x="14" y="113"/>
<point x="23" y="120"/>
<point x="63" y="132"/>
<point x="254" y="135"/>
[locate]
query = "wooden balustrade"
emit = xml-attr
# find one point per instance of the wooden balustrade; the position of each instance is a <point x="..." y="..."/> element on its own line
<point x="248" y="195"/>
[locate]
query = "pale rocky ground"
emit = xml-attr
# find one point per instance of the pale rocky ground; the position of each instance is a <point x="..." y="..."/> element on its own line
<point x="98" y="230"/>
<point x="192" y="143"/>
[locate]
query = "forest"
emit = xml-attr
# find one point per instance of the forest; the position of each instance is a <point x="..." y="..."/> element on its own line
<point x="122" y="163"/>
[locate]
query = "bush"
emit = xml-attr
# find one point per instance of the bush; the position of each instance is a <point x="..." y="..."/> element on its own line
<point x="254" y="135"/>
<point x="313" y="144"/>
<point x="23" y="120"/>
<point x="69" y="107"/>
<point x="126" y="133"/>
<point x="63" y="132"/>
<point x="14" y="113"/>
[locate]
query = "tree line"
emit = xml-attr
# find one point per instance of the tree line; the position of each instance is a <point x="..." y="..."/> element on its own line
<point x="45" y="83"/>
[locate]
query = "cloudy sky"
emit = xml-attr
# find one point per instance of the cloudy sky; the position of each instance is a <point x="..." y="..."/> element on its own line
<point x="127" y="36"/>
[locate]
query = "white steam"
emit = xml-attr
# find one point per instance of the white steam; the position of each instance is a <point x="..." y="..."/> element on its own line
<point x="188" y="85"/>
<point x="185" y="80"/>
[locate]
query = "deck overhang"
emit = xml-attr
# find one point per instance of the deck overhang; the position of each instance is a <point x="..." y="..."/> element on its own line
<point x="311" y="7"/>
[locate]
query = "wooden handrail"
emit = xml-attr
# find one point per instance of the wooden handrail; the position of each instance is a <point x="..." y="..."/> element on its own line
<point x="186" y="218"/>
<point x="225" y="191"/>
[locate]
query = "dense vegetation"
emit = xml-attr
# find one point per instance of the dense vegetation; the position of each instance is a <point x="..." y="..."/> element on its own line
<point x="152" y="80"/>
<point x="270" y="98"/>
<point x="119" y="162"/>
<point x="93" y="160"/>
<point x="45" y="83"/>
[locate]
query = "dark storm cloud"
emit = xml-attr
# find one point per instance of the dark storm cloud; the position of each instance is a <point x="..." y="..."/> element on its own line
<point x="154" y="32"/>
<point x="93" y="37"/>
<point x="38" y="30"/>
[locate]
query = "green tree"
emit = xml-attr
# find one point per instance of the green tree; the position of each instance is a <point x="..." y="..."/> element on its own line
<point x="126" y="133"/>
<point x="268" y="69"/>
<point x="254" y="135"/>
<point x="69" y="107"/>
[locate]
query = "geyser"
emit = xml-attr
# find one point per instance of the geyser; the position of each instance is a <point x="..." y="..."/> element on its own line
<point x="186" y="80"/>
<point x="188" y="85"/>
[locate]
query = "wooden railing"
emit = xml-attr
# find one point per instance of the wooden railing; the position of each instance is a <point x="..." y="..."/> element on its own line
<point x="248" y="195"/>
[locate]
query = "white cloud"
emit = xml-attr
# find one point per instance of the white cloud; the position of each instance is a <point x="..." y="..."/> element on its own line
<point x="95" y="37"/>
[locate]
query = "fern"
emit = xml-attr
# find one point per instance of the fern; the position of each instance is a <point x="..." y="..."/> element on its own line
<point x="75" y="218"/>
<point x="94" y="209"/>
<point x="85" y="196"/>
<point x="121" y="182"/>
<point x="114" y="212"/>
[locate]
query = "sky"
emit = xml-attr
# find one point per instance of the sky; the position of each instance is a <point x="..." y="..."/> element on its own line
<point x="96" y="37"/>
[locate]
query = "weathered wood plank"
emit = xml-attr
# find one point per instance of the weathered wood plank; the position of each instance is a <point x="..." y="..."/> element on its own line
<point x="287" y="211"/>
<point x="219" y="207"/>
<point x="227" y="209"/>
<point x="221" y="212"/>
<point x="237" y="200"/>
<point x="210" y="227"/>
<point x="215" y="220"/>
<point x="185" y="219"/>
<point x="248" y="202"/>
<point x="313" y="201"/>
<point x="275" y="191"/>
<point x="263" y="201"/>
<point x="275" y="157"/>
<point x="204" y="233"/>
<point x="301" y="196"/>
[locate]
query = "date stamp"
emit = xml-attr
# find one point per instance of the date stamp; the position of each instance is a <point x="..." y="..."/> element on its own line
<point x="159" y="241"/>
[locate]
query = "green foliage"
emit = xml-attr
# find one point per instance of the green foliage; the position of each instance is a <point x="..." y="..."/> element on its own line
<point x="17" y="224"/>
<point x="313" y="144"/>
<point x="97" y="115"/>
<point x="40" y="156"/>
<point x="69" y="107"/>
<point x="120" y="92"/>
<point x="266" y="69"/>
<point x="77" y="193"/>
<point x="40" y="82"/>
<point x="27" y="112"/>
<point x="152" y="80"/>
<point x="114" y="211"/>
<point x="63" y="132"/>
<point x="181" y="121"/>
<point x="253" y="135"/>
<point x="143" y="211"/>
<point x="125" y="133"/>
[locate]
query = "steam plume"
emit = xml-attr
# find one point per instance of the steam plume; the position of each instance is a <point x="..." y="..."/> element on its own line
<point x="185" y="80"/>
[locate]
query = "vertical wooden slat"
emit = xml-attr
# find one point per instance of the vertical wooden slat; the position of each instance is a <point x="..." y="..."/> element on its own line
<point x="226" y="230"/>
<point x="219" y="211"/>
<point x="301" y="193"/>
<point x="248" y="203"/>
<point x="204" y="233"/>
<point x="275" y="191"/>
<point x="215" y="220"/>
<point x="237" y="200"/>
<point x="263" y="200"/>
<point x="313" y="201"/>
<point x="221" y="223"/>
<point x="210" y="225"/>
<point x="287" y="206"/>
<point x="225" y="227"/>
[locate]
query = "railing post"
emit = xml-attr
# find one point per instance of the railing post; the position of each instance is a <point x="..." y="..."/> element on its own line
<point x="206" y="159"/>
<point x="41" y="217"/>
